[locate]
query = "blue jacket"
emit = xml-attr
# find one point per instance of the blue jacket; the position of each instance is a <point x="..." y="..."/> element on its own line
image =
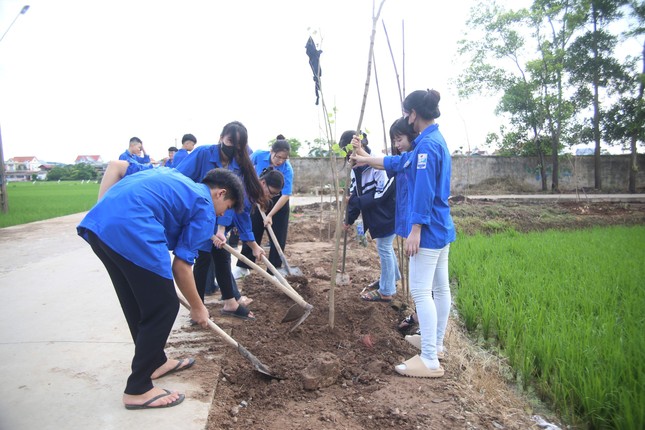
<point x="372" y="195"/>
<point x="197" y="164"/>
<point x="427" y="168"/>
<point x="179" y="156"/>
<point x="127" y="156"/>
<point x="145" y="215"/>
<point x="401" y="212"/>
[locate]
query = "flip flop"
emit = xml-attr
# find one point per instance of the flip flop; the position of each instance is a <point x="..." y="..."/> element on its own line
<point x="179" y="367"/>
<point x="146" y="405"/>
<point x="416" y="368"/>
<point x="374" y="296"/>
<point x="241" y="312"/>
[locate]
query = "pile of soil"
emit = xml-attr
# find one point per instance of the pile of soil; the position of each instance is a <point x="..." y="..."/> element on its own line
<point x="343" y="377"/>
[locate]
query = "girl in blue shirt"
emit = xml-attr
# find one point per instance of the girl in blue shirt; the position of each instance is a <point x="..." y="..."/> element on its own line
<point x="131" y="229"/>
<point x="429" y="227"/>
<point x="278" y="214"/>
<point x="232" y="154"/>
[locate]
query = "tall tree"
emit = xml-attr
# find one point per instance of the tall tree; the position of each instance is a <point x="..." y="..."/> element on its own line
<point x="626" y="117"/>
<point x="592" y="66"/>
<point x="495" y="48"/>
<point x="554" y="23"/>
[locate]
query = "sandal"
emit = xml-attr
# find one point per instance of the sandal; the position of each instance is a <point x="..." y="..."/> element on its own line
<point x="241" y="312"/>
<point x="375" y="296"/>
<point x="407" y="322"/>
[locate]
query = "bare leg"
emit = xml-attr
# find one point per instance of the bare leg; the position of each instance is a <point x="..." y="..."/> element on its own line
<point x="114" y="173"/>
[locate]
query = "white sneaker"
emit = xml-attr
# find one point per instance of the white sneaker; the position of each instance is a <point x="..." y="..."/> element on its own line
<point x="240" y="272"/>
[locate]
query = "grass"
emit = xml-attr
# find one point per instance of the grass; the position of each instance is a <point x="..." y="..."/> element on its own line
<point x="566" y="309"/>
<point x="37" y="201"/>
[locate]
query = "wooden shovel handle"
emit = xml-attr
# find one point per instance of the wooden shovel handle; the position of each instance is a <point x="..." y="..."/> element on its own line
<point x="211" y="324"/>
<point x="289" y="292"/>
<point x="275" y="241"/>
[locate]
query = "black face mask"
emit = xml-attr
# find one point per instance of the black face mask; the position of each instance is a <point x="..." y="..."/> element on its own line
<point x="229" y="151"/>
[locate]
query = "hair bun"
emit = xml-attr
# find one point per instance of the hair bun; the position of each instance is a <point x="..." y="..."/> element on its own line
<point x="280" y="137"/>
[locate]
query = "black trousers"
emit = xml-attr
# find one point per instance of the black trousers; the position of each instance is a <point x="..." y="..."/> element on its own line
<point x="150" y="306"/>
<point x="222" y="260"/>
<point x="280" y="227"/>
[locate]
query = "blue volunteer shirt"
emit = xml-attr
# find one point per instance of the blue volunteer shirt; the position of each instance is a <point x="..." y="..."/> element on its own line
<point x="179" y="156"/>
<point x="262" y="159"/>
<point x="197" y="164"/>
<point x="127" y="156"/>
<point x="147" y="214"/>
<point x="427" y="168"/>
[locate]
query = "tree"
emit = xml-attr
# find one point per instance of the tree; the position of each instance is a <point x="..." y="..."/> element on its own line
<point x="319" y="148"/>
<point x="72" y="172"/>
<point x="592" y="66"/>
<point x="626" y="117"/>
<point x="496" y="49"/>
<point x="554" y="23"/>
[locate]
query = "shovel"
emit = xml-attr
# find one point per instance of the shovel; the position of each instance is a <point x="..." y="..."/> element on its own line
<point x="300" y="310"/>
<point x="243" y="351"/>
<point x="291" y="271"/>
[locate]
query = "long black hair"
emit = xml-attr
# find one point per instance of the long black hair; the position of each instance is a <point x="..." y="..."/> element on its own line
<point x="240" y="138"/>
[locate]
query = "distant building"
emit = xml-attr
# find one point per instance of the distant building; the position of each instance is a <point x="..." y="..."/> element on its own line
<point x="22" y="168"/>
<point x="585" y="151"/>
<point x="94" y="160"/>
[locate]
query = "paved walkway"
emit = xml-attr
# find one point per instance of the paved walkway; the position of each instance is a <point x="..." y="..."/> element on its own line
<point x="64" y="345"/>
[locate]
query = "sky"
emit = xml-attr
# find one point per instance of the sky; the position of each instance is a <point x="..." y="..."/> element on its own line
<point x="80" y="77"/>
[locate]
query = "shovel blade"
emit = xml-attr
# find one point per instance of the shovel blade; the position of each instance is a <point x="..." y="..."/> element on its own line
<point x="342" y="279"/>
<point x="296" y="311"/>
<point x="257" y="364"/>
<point x="302" y="318"/>
<point x="294" y="271"/>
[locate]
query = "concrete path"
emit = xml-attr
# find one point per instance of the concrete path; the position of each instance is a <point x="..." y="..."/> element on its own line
<point x="64" y="346"/>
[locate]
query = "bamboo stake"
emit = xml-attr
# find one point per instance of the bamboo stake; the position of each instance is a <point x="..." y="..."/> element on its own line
<point x="342" y="206"/>
<point x="380" y="105"/>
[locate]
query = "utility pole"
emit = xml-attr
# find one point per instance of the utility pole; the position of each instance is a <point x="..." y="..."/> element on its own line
<point x="4" y="203"/>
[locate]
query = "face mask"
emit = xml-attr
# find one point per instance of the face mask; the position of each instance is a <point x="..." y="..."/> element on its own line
<point x="229" y="151"/>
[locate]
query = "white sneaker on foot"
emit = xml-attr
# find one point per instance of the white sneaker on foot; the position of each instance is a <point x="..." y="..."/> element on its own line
<point x="240" y="272"/>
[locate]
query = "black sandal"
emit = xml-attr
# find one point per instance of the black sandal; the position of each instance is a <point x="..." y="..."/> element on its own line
<point x="407" y="323"/>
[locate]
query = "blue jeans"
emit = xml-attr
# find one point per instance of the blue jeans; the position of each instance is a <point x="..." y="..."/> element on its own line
<point x="389" y="266"/>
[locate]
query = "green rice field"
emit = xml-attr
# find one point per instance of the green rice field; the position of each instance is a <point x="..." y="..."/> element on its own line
<point x="37" y="201"/>
<point x="567" y="310"/>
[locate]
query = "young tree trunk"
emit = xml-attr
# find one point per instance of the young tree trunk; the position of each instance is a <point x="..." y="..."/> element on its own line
<point x="633" y="165"/>
<point x="596" y="102"/>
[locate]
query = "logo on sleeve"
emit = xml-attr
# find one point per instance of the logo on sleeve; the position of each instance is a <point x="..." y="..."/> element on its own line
<point x="422" y="161"/>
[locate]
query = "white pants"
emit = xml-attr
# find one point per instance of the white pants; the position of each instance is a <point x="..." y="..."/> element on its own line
<point x="428" y="276"/>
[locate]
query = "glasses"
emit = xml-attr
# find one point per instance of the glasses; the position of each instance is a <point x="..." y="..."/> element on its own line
<point x="274" y="193"/>
<point x="281" y="158"/>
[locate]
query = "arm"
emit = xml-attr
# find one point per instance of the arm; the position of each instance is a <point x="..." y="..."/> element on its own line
<point x="243" y="223"/>
<point x="274" y="210"/>
<point x="114" y="173"/>
<point x="375" y="162"/>
<point x="423" y="193"/>
<point x="183" y="274"/>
